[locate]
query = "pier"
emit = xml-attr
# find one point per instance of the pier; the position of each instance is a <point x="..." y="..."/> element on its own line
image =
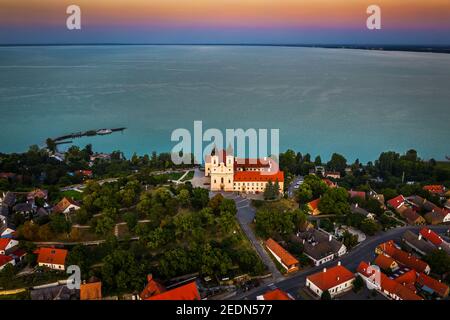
<point x="88" y="133"/>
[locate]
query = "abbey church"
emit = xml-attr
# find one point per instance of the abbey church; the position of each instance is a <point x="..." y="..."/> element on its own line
<point x="241" y="175"/>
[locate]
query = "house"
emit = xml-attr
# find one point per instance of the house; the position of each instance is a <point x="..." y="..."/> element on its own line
<point x="421" y="203"/>
<point x="84" y="173"/>
<point x="5" y="260"/>
<point x="388" y="287"/>
<point x="336" y="280"/>
<point x="412" y="217"/>
<point x="396" y="202"/>
<point x="287" y="261"/>
<point x="333" y="175"/>
<point x="314" y="207"/>
<point x="431" y="236"/>
<point x="355" y="208"/>
<point x="357" y="194"/>
<point x="319" y="246"/>
<point x="7" y="245"/>
<point x="437" y="189"/>
<point x="66" y="205"/>
<point x="276" y="294"/>
<point x="26" y="209"/>
<point x="152" y="288"/>
<point x="386" y="263"/>
<point x="185" y="292"/>
<point x="417" y="243"/>
<point x="241" y="175"/>
<point x="403" y="258"/>
<point x="52" y="258"/>
<point x="37" y="193"/>
<point x="91" y="291"/>
<point x="431" y="285"/>
<point x="436" y="216"/>
<point x="7" y="233"/>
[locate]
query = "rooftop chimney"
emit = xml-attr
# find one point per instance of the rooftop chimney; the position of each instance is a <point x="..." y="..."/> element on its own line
<point x="324" y="269"/>
<point x="330" y="237"/>
<point x="339" y="263"/>
<point x="420" y="236"/>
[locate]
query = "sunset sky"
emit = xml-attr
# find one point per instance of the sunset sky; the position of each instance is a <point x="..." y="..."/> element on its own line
<point x="226" y="21"/>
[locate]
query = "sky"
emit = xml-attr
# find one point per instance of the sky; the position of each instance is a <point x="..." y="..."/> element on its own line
<point x="409" y="22"/>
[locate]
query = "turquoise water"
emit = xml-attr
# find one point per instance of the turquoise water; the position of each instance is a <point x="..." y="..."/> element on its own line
<point x="354" y="102"/>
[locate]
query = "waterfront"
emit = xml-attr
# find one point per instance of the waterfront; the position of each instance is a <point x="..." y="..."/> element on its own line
<point x="354" y="102"/>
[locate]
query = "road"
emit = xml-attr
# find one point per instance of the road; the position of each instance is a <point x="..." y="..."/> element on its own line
<point x="365" y="251"/>
<point x="245" y="216"/>
<point x="291" y="188"/>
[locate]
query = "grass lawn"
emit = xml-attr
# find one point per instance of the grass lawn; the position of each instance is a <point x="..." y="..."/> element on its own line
<point x="72" y="194"/>
<point x="189" y="176"/>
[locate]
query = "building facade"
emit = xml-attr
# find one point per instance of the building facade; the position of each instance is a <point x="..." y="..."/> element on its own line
<point x="232" y="174"/>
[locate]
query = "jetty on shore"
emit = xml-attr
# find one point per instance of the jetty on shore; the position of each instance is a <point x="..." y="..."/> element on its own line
<point x="88" y="133"/>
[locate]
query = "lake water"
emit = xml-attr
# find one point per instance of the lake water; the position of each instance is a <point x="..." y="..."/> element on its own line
<point x="354" y="102"/>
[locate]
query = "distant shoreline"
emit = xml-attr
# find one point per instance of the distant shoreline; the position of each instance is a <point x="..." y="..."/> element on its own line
<point x="376" y="47"/>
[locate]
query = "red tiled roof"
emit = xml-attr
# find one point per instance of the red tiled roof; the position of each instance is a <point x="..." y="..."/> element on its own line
<point x="362" y="268"/>
<point x="314" y="204"/>
<point x="331" y="277"/>
<point x="407" y="278"/>
<point x="51" y="256"/>
<point x="357" y="194"/>
<point x="4" y="243"/>
<point x="276" y="294"/>
<point x="152" y="288"/>
<point x="435" y="188"/>
<point x="251" y="163"/>
<point x="384" y="262"/>
<point x="411" y="215"/>
<point x="248" y="176"/>
<point x="91" y="291"/>
<point x="4" y="259"/>
<point x="402" y="257"/>
<point x="437" y="286"/>
<point x="287" y="259"/>
<point x="186" y="292"/>
<point x="396" y="202"/>
<point x="431" y="236"/>
<point x="18" y="253"/>
<point x="64" y="204"/>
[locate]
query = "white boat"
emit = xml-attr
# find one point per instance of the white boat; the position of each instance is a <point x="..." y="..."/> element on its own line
<point x="104" y="131"/>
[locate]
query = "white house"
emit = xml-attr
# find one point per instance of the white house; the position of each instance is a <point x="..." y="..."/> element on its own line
<point x="336" y="280"/>
<point x="7" y="244"/>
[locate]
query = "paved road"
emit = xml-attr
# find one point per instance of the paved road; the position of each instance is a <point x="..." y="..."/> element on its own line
<point x="365" y="251"/>
<point x="291" y="189"/>
<point x="245" y="215"/>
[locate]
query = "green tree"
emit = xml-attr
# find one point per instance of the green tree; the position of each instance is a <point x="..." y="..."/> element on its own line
<point x="337" y="163"/>
<point x="325" y="295"/>
<point x="439" y="261"/>
<point x="335" y="201"/>
<point x="358" y="284"/>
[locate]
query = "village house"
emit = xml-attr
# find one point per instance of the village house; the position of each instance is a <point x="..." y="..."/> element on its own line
<point x="152" y="288"/>
<point x="386" y="263"/>
<point x="313" y="207"/>
<point x="330" y="183"/>
<point x="91" y="291"/>
<point x="51" y="258"/>
<point x="332" y="175"/>
<point x="188" y="291"/>
<point x="319" y="246"/>
<point x="435" y="239"/>
<point x="335" y="280"/>
<point x="417" y="243"/>
<point x="411" y="216"/>
<point x="432" y="286"/>
<point x="397" y="202"/>
<point x="276" y="294"/>
<point x="241" y="175"/>
<point x="436" y="189"/>
<point x="7" y="245"/>
<point x="385" y="285"/>
<point x="66" y="206"/>
<point x="357" y="194"/>
<point x="403" y="258"/>
<point x="437" y="216"/>
<point x="379" y="197"/>
<point x="286" y="260"/>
